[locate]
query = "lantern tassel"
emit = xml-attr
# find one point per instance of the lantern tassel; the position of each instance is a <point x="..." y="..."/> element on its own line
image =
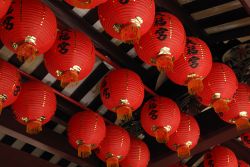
<point x="26" y="51"/>
<point x="68" y="77"/>
<point x="84" y="4"/>
<point x="220" y="105"/>
<point x="84" y="150"/>
<point x="112" y="162"/>
<point x="124" y="113"/>
<point x="34" y="127"/>
<point x="242" y="123"/>
<point x="161" y="135"/>
<point x="130" y="32"/>
<point x="164" y="62"/>
<point x="183" y="151"/>
<point x="195" y="85"/>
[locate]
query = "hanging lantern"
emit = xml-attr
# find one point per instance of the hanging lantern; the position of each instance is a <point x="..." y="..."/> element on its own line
<point x="220" y="157"/>
<point x="35" y="106"/>
<point x="245" y="138"/>
<point x="163" y="43"/>
<point x="85" y="4"/>
<point x="76" y="54"/>
<point x="160" y="118"/>
<point x="138" y="155"/>
<point x="243" y="164"/>
<point x="219" y="87"/>
<point x="127" y="20"/>
<point x="9" y="84"/>
<point x="25" y="35"/>
<point x="239" y="108"/>
<point x="186" y="136"/>
<point x="192" y="66"/>
<point x="86" y="130"/>
<point x="4" y="6"/>
<point x="122" y="92"/>
<point x="115" y="146"/>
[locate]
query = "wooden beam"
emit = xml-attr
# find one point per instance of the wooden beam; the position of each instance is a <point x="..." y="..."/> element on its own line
<point x="47" y="140"/>
<point x="231" y="34"/>
<point x="246" y="5"/>
<point x="217" y="137"/>
<point x="12" y="157"/>
<point x="240" y="151"/>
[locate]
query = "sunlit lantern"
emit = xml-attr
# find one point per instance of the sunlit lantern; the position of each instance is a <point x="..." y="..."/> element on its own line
<point x="85" y="4"/>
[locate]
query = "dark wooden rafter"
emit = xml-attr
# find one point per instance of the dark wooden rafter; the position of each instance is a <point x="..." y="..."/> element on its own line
<point x="20" y="158"/>
<point x="231" y="34"/>
<point x="246" y="5"/>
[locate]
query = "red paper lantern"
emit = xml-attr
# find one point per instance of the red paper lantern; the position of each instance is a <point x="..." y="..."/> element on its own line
<point x="29" y="28"/>
<point x="35" y="106"/>
<point x="86" y="130"/>
<point x="9" y="84"/>
<point x="243" y="164"/>
<point x="122" y="92"/>
<point x="76" y="54"/>
<point x="85" y="4"/>
<point x="186" y="136"/>
<point x="4" y="6"/>
<point x="192" y="66"/>
<point x="115" y="146"/>
<point x="127" y="20"/>
<point x="219" y="87"/>
<point x="239" y="108"/>
<point x="138" y="155"/>
<point x="245" y="138"/>
<point x="163" y="43"/>
<point x="220" y="157"/>
<point x="160" y="118"/>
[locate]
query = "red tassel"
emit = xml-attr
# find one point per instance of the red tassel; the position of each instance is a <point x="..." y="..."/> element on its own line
<point x="112" y="162"/>
<point x="26" y="51"/>
<point x="130" y="32"/>
<point x="164" y="62"/>
<point x="68" y="77"/>
<point x="195" y="85"/>
<point x="242" y="123"/>
<point x="220" y="105"/>
<point x="34" y="127"/>
<point x="183" y="151"/>
<point x="84" y="150"/>
<point x="161" y="135"/>
<point x="124" y="112"/>
<point x="82" y="3"/>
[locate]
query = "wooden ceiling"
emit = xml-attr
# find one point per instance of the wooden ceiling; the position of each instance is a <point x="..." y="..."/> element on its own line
<point x="221" y="23"/>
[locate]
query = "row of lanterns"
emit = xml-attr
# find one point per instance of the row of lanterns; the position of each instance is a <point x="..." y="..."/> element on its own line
<point x="159" y="40"/>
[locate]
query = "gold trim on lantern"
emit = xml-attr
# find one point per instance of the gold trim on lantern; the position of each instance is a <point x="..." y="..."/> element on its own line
<point x="110" y="155"/>
<point x="124" y="102"/>
<point x="3" y="97"/>
<point x="137" y="21"/>
<point x="243" y="114"/>
<point x="28" y="39"/>
<point x="74" y="68"/>
<point x="167" y="128"/>
<point x="216" y="96"/>
<point x="165" y="51"/>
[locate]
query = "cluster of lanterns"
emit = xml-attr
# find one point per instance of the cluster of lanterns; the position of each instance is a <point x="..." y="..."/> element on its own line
<point x="159" y="39"/>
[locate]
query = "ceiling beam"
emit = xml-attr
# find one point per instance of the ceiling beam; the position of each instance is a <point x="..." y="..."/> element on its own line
<point x="68" y="17"/>
<point x="246" y="5"/>
<point x="231" y="34"/>
<point x="217" y="137"/>
<point x="13" y="157"/>
<point x="241" y="151"/>
<point x="47" y="140"/>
